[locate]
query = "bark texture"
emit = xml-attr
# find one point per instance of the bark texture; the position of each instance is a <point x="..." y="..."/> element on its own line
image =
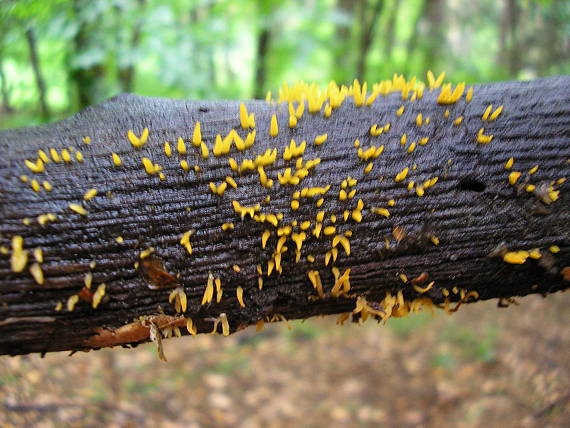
<point x="472" y="209"/>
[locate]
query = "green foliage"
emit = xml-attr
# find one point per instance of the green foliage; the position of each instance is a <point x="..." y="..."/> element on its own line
<point x="207" y="49"/>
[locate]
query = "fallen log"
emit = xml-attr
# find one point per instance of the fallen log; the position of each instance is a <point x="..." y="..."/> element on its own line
<point x="386" y="203"/>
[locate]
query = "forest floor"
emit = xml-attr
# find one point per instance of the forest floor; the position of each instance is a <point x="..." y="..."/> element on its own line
<point x="482" y="367"/>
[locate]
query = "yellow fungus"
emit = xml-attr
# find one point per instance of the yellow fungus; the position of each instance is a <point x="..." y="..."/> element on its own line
<point x="294" y="204"/>
<point x="78" y="209"/>
<point x="88" y="280"/>
<point x="554" y="249"/>
<point x="149" y="167"/>
<point x="145" y="253"/>
<point x="487" y="112"/>
<point x="264" y="237"/>
<point x="243" y="116"/>
<point x="116" y="159"/>
<point x="54" y="155"/>
<point x="329" y="230"/>
<point x="274" y="127"/>
<point x="391" y="202"/>
<point x="403" y="139"/>
<point x="19" y="256"/>
<point x="43" y="156"/>
<point x="530" y="187"/>
<point x="411" y="147"/>
<point x="509" y="163"/>
<point x="434" y="240"/>
<point x="469" y="95"/>
<point x="209" y="291"/>
<point x="402" y="175"/>
<point x="516" y="257"/>
<point x="191" y="327"/>
<point x="496" y="113"/>
<point x="167" y="149"/>
<point x="185" y="240"/>
<point x="227" y="226"/>
<point x="197" y="135"/>
<point x="381" y="211"/>
<point x="513" y="177"/>
<point x="368" y="168"/>
<point x="419" y="119"/>
<point x="35" y="185"/>
<point x="181" y="146"/>
<point x="98" y="296"/>
<point x="65" y="155"/>
<point x="239" y="294"/>
<point x="375" y="131"/>
<point x="231" y="182"/>
<point x="315" y="279"/>
<point x="86" y="140"/>
<point x="292" y="121"/>
<point x="458" y="121"/>
<point x="320" y="139"/>
<point x="204" y="150"/>
<point x="184" y="165"/>
<point x="138" y="141"/>
<point x="534" y="253"/>
<point x="400" y="111"/>
<point x="37" y="166"/>
<point x="357" y="143"/>
<point x="90" y="194"/>
<point x="447" y="96"/>
<point x="482" y="138"/>
<point x="533" y="170"/>
<point x="343" y="241"/>
<point x="233" y="164"/>
<point x="71" y="302"/>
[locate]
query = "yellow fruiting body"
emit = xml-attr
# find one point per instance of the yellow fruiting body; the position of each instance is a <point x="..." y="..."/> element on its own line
<point x="516" y="257"/>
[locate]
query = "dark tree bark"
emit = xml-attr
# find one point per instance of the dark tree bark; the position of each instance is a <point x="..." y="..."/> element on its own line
<point x="40" y="82"/>
<point x="369" y="15"/>
<point x="473" y="211"/>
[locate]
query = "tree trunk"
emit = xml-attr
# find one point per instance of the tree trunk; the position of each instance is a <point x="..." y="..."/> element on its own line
<point x="368" y="20"/>
<point x="263" y="41"/>
<point x="342" y="52"/>
<point x="509" y="46"/>
<point x="127" y="73"/>
<point x="455" y="234"/>
<point x="390" y="33"/>
<point x="89" y="81"/>
<point x="413" y="40"/>
<point x="40" y="82"/>
<point x="435" y="37"/>
<point x="4" y="91"/>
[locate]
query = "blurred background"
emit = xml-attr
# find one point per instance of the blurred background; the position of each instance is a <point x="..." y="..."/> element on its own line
<point x="59" y="56"/>
<point x="483" y="367"/>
